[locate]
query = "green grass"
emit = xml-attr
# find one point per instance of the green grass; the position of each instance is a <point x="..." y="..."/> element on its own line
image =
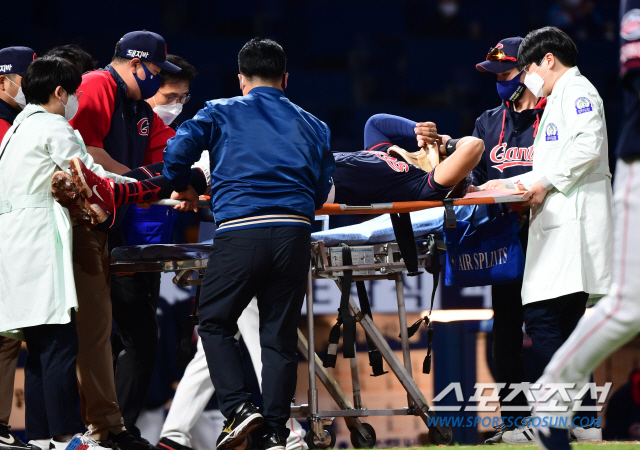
<point x="574" y="446"/>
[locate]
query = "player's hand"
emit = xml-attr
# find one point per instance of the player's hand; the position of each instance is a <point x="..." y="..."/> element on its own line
<point x="190" y="195"/>
<point x="426" y="133"/>
<point x="535" y="195"/>
<point x="492" y="184"/>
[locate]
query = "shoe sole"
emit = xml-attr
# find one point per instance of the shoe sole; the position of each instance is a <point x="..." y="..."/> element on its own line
<point x="85" y="191"/>
<point x="67" y="194"/>
<point x="232" y="440"/>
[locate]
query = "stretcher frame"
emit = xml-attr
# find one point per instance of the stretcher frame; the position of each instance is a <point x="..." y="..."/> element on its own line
<point x="389" y="268"/>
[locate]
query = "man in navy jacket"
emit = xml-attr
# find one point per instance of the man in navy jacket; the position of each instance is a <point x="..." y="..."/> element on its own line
<point x="271" y="168"/>
<point x="508" y="132"/>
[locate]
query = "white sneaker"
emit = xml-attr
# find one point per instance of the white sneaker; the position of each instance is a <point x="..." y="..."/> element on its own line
<point x="520" y="435"/>
<point x="591" y="434"/>
<point x="40" y="443"/>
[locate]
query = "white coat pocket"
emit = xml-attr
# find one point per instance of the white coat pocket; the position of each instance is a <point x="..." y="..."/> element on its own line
<point x="556" y="210"/>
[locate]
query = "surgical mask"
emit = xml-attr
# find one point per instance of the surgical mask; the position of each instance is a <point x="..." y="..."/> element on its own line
<point x="534" y="82"/>
<point x="19" y="98"/>
<point x="511" y="90"/>
<point x="150" y="85"/>
<point x="71" y="108"/>
<point x="168" y="113"/>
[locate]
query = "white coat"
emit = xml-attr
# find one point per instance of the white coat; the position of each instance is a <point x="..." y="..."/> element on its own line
<point x="36" y="269"/>
<point x="571" y="232"/>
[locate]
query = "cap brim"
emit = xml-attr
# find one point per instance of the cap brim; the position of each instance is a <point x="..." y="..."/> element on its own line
<point x="166" y="65"/>
<point x="495" y="66"/>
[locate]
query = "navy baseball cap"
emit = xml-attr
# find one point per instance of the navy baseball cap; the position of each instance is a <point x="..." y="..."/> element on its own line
<point x="15" y="59"/>
<point x="146" y="45"/>
<point x="502" y="57"/>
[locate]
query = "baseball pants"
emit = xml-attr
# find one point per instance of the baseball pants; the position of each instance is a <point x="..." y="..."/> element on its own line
<point x="195" y="388"/>
<point x="616" y="318"/>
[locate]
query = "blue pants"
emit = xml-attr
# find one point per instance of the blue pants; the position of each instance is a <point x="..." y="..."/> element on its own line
<point x="51" y="386"/>
<point x="272" y="264"/>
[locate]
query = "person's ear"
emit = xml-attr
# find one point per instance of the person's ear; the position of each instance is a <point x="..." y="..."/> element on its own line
<point x="551" y="60"/>
<point x="2" y="80"/>
<point x="133" y="63"/>
<point x="241" y="81"/>
<point x="285" y="80"/>
<point x="60" y="93"/>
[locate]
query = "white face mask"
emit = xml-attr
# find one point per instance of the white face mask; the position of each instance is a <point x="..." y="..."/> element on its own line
<point x="71" y="108"/>
<point x="19" y="98"/>
<point x="168" y="113"/>
<point x="534" y="82"/>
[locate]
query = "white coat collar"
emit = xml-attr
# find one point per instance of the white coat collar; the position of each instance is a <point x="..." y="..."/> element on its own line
<point x="27" y="111"/>
<point x="563" y="81"/>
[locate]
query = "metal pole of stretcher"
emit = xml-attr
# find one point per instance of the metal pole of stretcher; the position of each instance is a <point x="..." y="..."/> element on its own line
<point x="316" y="424"/>
<point x="404" y="334"/>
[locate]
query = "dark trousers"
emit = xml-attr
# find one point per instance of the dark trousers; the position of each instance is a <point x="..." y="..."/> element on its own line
<point x="271" y="263"/>
<point x="549" y="323"/>
<point x="507" y="347"/>
<point x="135" y="300"/>
<point x="50" y="385"/>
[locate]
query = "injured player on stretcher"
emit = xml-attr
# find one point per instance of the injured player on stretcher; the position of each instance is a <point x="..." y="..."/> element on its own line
<point x="383" y="172"/>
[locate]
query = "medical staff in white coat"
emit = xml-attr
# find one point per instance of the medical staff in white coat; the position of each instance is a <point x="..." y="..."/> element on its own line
<point x="37" y="289"/>
<point x="570" y="252"/>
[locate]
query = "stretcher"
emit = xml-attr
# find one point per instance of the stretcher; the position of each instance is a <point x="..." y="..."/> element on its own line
<point x="372" y="261"/>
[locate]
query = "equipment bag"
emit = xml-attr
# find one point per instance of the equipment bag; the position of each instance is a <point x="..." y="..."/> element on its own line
<point x="486" y="254"/>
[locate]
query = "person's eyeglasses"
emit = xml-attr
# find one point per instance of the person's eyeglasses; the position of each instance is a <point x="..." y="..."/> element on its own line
<point x="497" y="54"/>
<point x="183" y="99"/>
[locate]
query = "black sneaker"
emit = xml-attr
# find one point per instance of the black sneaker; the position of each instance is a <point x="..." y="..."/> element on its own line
<point x="9" y="441"/>
<point x="272" y="441"/>
<point x="496" y="438"/>
<point x="127" y="441"/>
<point x="244" y="420"/>
<point x="168" y="444"/>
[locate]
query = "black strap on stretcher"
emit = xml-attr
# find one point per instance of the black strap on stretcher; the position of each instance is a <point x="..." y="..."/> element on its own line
<point x="183" y="355"/>
<point x="348" y="322"/>
<point x="403" y="229"/>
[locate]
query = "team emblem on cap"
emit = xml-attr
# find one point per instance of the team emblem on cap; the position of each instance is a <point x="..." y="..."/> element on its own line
<point x="498" y="45"/>
<point x="5" y="68"/>
<point x="630" y="25"/>
<point x="583" y="105"/>
<point x="551" y="132"/>
<point x="137" y="54"/>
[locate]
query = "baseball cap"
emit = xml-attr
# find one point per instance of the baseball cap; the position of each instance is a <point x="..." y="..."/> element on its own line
<point x="146" y="45"/>
<point x="15" y="59"/>
<point x="509" y="47"/>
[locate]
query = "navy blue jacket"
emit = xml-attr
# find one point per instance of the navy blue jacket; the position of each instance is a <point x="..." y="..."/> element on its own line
<point x="508" y="141"/>
<point x="268" y="156"/>
<point x="630" y="76"/>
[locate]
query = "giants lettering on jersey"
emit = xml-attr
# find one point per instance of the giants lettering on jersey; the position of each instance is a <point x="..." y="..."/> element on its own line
<point x="143" y="127"/>
<point x="398" y="166"/>
<point x="513" y="156"/>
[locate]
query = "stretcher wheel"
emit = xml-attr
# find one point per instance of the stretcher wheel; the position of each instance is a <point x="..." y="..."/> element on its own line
<point x="359" y="441"/>
<point x="313" y="442"/>
<point x="438" y="438"/>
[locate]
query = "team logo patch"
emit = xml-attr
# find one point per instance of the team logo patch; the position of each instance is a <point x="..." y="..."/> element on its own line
<point x="583" y="105"/>
<point x="551" y="132"/>
<point x="5" y="68"/>
<point x="630" y="25"/>
<point x="143" y="127"/>
<point x="498" y="45"/>
<point x="504" y="157"/>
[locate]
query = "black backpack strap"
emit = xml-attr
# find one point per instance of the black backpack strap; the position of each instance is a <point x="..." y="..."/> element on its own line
<point x="375" y="358"/>
<point x="403" y="229"/>
<point x="344" y="317"/>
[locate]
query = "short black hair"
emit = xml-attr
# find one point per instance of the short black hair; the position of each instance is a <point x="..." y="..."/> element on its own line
<point x="45" y="74"/>
<point x="76" y="55"/>
<point x="262" y="58"/>
<point x="545" y="40"/>
<point x="188" y="72"/>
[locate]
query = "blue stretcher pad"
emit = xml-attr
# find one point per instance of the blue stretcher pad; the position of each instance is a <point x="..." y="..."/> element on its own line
<point x="380" y="230"/>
